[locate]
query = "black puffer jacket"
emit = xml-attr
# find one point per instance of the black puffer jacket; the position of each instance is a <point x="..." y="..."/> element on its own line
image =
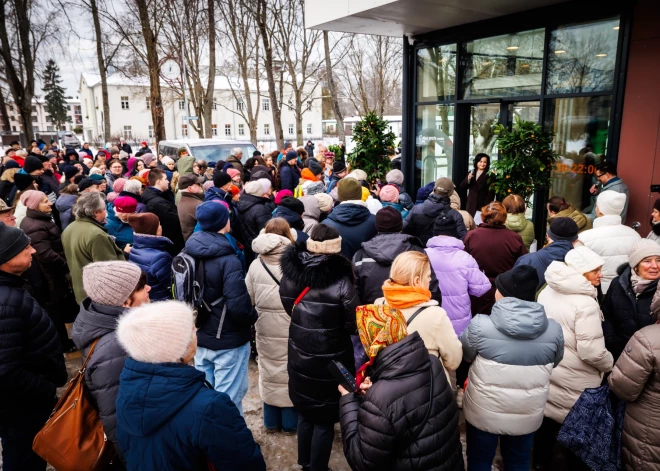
<point x="624" y="313"/>
<point x="162" y="205"/>
<point x="97" y="321"/>
<point x="379" y="430"/>
<point x="372" y="263"/>
<point x="255" y="212"/>
<point x="321" y="325"/>
<point x="421" y="218"/>
<point x="31" y="360"/>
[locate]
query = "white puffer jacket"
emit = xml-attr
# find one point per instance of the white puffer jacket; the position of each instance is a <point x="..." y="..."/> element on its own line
<point x="570" y="300"/>
<point x="611" y="240"/>
<point x="273" y="323"/>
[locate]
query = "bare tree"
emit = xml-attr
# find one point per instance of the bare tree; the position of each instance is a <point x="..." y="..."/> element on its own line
<point x="4" y="114"/>
<point x="25" y="26"/>
<point x="332" y="88"/>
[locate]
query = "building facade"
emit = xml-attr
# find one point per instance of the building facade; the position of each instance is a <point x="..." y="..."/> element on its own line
<point x="130" y="114"/>
<point x="41" y="121"/>
<point x="587" y="72"/>
<point x="330" y="136"/>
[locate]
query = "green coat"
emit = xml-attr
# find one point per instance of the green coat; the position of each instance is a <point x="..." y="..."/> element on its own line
<point x="86" y="241"/>
<point x="185" y="165"/>
<point x="582" y="221"/>
<point x="524" y="227"/>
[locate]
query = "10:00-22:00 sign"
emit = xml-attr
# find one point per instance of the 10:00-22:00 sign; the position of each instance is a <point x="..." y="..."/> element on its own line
<point x="576" y="168"/>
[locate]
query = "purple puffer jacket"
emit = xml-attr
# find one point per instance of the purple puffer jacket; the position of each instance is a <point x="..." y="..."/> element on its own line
<point x="459" y="277"/>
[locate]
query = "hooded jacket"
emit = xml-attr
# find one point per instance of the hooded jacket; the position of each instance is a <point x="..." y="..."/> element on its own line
<point x="523" y="226"/>
<point x="272" y="327"/>
<point x="223" y="278"/>
<point x="459" y="277"/>
<point x="289" y="177"/>
<point x="255" y="212"/>
<point x="162" y="205"/>
<point x="570" y="300"/>
<point x="355" y="224"/>
<point x="398" y="206"/>
<point x="194" y="424"/>
<point x="64" y="205"/>
<point x="295" y="221"/>
<point x="615" y="184"/>
<point x="378" y="429"/>
<point x="120" y="230"/>
<point x="97" y="321"/>
<point x="372" y="263"/>
<point x="582" y="221"/>
<point x="321" y="326"/>
<point x="185" y="164"/>
<point x="541" y="259"/>
<point x="513" y="352"/>
<point x="611" y="240"/>
<point x="312" y="213"/>
<point x="636" y="379"/>
<point x="404" y="198"/>
<point x="151" y="255"/>
<point x="624" y="312"/>
<point x="421" y="218"/>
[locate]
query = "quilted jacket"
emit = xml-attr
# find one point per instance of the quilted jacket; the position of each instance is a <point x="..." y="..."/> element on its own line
<point x="541" y="259"/>
<point x="151" y="255"/>
<point x="523" y="226"/>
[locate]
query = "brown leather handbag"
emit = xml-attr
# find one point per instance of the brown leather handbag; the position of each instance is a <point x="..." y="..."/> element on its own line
<point x="73" y="439"/>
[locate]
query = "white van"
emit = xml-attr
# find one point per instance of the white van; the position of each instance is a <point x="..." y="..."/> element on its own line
<point x="210" y="150"/>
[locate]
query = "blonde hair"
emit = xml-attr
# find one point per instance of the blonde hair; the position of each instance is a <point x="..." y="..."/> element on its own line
<point x="407" y="266"/>
<point x="280" y="227"/>
<point x="175" y="181"/>
<point x="8" y="175"/>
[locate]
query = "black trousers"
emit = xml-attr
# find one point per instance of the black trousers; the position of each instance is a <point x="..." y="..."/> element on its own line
<point x="314" y="444"/>
<point x="17" y="438"/>
<point x="548" y="454"/>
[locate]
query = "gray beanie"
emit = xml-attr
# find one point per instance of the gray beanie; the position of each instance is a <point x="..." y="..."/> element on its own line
<point x="110" y="283"/>
<point x="314" y="188"/>
<point x="642" y="249"/>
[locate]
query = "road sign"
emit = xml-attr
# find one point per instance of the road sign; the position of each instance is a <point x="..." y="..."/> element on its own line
<point x="191" y="118"/>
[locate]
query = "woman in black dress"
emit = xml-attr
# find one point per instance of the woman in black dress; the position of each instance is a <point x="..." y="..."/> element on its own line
<point x="477" y="183"/>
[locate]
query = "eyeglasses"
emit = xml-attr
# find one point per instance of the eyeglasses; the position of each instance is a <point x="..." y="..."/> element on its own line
<point x="601" y="175"/>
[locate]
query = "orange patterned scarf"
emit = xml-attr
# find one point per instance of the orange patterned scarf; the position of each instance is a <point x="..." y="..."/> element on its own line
<point x="402" y="297"/>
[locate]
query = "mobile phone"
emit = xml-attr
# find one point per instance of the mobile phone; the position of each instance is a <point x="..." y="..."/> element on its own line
<point x="342" y="375"/>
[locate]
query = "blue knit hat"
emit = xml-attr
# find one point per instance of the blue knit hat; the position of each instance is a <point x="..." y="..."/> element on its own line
<point x="212" y="216"/>
<point x="424" y="192"/>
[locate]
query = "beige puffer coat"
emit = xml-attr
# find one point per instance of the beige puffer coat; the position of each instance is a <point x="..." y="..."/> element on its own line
<point x="636" y="379"/>
<point x="570" y="300"/>
<point x="273" y="323"/>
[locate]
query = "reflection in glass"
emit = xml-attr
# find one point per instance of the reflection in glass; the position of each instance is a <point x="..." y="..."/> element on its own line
<point x="434" y="146"/>
<point x="436" y="73"/>
<point x="509" y="65"/>
<point x="581" y="130"/>
<point x="483" y="118"/>
<point x="582" y="57"/>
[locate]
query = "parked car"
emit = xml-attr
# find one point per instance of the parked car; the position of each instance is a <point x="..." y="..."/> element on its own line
<point x="210" y="150"/>
<point x="69" y="140"/>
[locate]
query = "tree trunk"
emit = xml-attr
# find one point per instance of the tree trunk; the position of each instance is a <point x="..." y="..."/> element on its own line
<point x="341" y="132"/>
<point x="157" y="112"/>
<point x="268" y="64"/>
<point x="210" y="89"/>
<point x="6" y="125"/>
<point x="103" y="70"/>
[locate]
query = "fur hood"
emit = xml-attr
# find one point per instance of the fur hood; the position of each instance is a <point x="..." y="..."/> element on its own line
<point x="317" y="271"/>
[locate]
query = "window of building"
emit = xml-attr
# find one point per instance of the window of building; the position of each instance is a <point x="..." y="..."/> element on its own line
<point x="34" y="109"/>
<point x="35" y="128"/>
<point x="184" y="130"/>
<point x="241" y="129"/>
<point x="128" y="132"/>
<point x="152" y="134"/>
<point x="227" y="129"/>
<point x="214" y="129"/>
<point x="124" y="103"/>
<point x="309" y="129"/>
<point x="49" y="128"/>
<point x="48" y="118"/>
<point x="13" y="128"/>
<point x="436" y="73"/>
<point x="240" y="105"/>
<point x="214" y="106"/>
<point x="148" y="102"/>
<point x="265" y="104"/>
<point x="68" y="107"/>
<point x="267" y="129"/>
<point x="182" y="105"/>
<point x="291" y="130"/>
<point x="34" y="118"/>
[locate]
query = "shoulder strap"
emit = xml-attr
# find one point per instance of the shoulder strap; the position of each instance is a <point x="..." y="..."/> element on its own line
<point x="300" y="296"/>
<point x="415" y="314"/>
<point x="89" y="355"/>
<point x="269" y="272"/>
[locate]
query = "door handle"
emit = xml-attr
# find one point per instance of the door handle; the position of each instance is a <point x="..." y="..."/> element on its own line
<point x="636" y="225"/>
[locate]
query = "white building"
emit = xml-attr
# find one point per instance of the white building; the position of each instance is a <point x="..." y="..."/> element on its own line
<point x="41" y="121"/>
<point x="130" y="115"/>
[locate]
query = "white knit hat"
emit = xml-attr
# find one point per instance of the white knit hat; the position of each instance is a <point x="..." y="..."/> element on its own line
<point x="583" y="260"/>
<point x="254" y="188"/>
<point x="642" y="249"/>
<point x="158" y="332"/>
<point x="394" y="177"/>
<point x="611" y="203"/>
<point x="359" y="175"/>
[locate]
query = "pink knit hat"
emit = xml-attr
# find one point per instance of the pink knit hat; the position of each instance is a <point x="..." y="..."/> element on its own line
<point x="281" y="194"/>
<point x="232" y="172"/>
<point x="207" y="185"/>
<point x="389" y="194"/>
<point x="118" y="185"/>
<point x="32" y="198"/>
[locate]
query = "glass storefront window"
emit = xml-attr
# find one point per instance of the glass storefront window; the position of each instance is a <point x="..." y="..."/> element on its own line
<point x="483" y="118"/>
<point x="582" y="57"/>
<point x="436" y="73"/>
<point x="581" y="128"/>
<point x="434" y="146"/>
<point x="502" y="66"/>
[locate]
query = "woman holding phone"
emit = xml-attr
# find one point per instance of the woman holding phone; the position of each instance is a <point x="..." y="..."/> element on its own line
<point x="477" y="182"/>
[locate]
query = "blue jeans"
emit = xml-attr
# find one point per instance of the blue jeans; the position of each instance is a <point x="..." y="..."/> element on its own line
<point x="226" y="371"/>
<point x="276" y="418"/>
<point x="481" y="447"/>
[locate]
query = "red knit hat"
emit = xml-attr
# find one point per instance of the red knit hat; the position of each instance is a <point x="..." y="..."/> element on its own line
<point x="125" y="204"/>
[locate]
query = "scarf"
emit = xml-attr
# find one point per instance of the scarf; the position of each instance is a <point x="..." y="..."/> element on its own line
<point x="655" y="227"/>
<point x="402" y="297"/>
<point x="638" y="283"/>
<point x="379" y="326"/>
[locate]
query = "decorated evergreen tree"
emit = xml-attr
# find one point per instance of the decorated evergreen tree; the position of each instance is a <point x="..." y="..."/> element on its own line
<point x="525" y="161"/>
<point x="373" y="142"/>
<point x="55" y="100"/>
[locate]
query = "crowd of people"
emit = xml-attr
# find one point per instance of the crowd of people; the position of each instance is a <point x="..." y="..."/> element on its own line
<point x="302" y="261"/>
